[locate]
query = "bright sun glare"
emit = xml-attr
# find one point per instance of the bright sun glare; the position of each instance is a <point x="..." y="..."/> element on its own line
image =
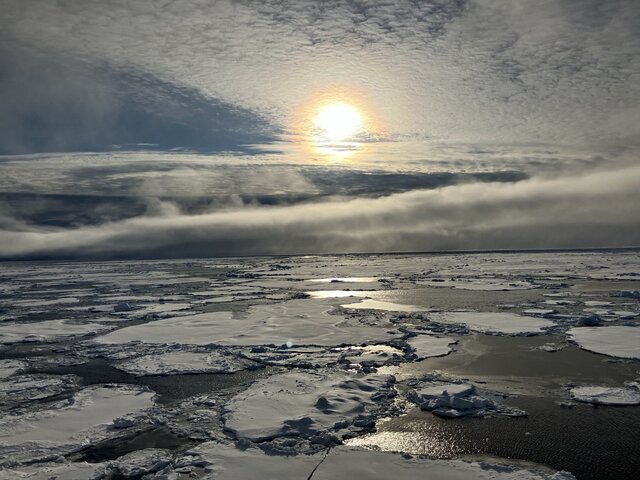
<point x="338" y="122"/>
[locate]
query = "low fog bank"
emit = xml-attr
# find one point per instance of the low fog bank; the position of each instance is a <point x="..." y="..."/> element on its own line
<point x="599" y="209"/>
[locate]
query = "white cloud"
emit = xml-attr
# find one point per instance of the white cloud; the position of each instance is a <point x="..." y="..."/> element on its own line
<point x="599" y="209"/>
<point x="556" y="72"/>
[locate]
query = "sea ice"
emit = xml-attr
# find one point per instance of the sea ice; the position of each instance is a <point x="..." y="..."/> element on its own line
<point x="34" y="387"/>
<point x="486" y="284"/>
<point x="294" y="322"/>
<point x="55" y="471"/>
<point x="628" y="395"/>
<point x="369" y="304"/>
<point x="426" y="346"/>
<point x="454" y="400"/>
<point x="490" y="322"/>
<point x="9" y="367"/>
<point x="67" y="426"/>
<point x="176" y="363"/>
<point x="225" y="462"/>
<point x="615" y="341"/>
<point x="47" y="331"/>
<point x="306" y="404"/>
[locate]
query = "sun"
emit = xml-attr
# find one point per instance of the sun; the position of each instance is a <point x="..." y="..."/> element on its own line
<point x="337" y="122"/>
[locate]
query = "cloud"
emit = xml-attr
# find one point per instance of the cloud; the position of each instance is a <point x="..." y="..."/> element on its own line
<point x="598" y="209"/>
<point x="54" y="103"/>
<point x="480" y="71"/>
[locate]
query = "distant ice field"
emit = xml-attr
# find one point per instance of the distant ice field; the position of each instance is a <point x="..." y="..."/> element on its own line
<point x="250" y="361"/>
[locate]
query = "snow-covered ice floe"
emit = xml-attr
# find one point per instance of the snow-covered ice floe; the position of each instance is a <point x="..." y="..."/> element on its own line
<point x="47" y="331"/>
<point x="627" y="395"/>
<point x="294" y="322"/>
<point x="54" y="471"/>
<point x="225" y="462"/>
<point x="9" y="367"/>
<point x="26" y="388"/>
<point x="307" y="404"/>
<point x="492" y="322"/>
<point x="426" y="346"/>
<point x="454" y="400"/>
<point x="369" y="304"/>
<point x="481" y="284"/>
<point x="177" y="363"/>
<point x="68" y="426"/>
<point x="616" y="341"/>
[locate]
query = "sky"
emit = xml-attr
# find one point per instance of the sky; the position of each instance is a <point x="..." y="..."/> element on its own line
<point x="209" y="128"/>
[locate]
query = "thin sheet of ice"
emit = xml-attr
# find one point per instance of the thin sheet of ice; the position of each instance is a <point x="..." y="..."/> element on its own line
<point x="628" y="395"/>
<point x="370" y="304"/>
<point x="294" y="322"/>
<point x="345" y="280"/>
<point x="176" y="363"/>
<point x="54" y="471"/>
<point x="87" y="416"/>
<point x="303" y="403"/>
<point x="615" y="341"/>
<point x="339" y="293"/>
<point x="426" y="346"/>
<point x="492" y="322"/>
<point x="481" y="284"/>
<point x="9" y="367"/>
<point x="34" y="387"/>
<point x="229" y="463"/>
<point x="45" y="302"/>
<point x="47" y="331"/>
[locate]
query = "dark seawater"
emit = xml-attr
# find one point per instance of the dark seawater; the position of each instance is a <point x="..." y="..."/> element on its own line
<point x="593" y="443"/>
<point x="170" y="388"/>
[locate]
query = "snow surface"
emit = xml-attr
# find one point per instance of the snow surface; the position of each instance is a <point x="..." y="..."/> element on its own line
<point x="454" y="400"/>
<point x="426" y="346"/>
<point x="54" y="471"/>
<point x="9" y="367"/>
<point x="47" y="331"/>
<point x="176" y="363"/>
<point x="369" y="304"/>
<point x="228" y="463"/>
<point x="294" y="322"/>
<point x="491" y="322"/>
<point x="66" y="427"/>
<point x="305" y="404"/>
<point x="615" y="341"/>
<point x="481" y="284"/>
<point x="34" y="387"/>
<point x="628" y="395"/>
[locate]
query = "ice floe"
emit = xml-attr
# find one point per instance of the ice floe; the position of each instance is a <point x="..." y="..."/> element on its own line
<point x="9" y="367"/>
<point x="225" y="462"/>
<point x="294" y="322"/>
<point x="176" y="363"/>
<point x="55" y="471"/>
<point x="454" y="400"/>
<point x="370" y="304"/>
<point x="34" y="387"/>
<point x="308" y="404"/>
<point x="596" y="395"/>
<point x="492" y="322"/>
<point x="481" y="284"/>
<point x="47" y="331"/>
<point x="426" y="346"/>
<point x="616" y="341"/>
<point x="66" y="427"/>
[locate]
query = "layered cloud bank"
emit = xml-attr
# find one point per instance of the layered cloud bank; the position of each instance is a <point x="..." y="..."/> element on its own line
<point x="597" y="209"/>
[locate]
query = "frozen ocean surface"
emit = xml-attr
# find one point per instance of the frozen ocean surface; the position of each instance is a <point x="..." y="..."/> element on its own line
<point x="225" y="368"/>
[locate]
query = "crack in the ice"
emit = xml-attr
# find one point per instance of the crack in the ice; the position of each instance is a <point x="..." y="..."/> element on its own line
<point x="326" y="454"/>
